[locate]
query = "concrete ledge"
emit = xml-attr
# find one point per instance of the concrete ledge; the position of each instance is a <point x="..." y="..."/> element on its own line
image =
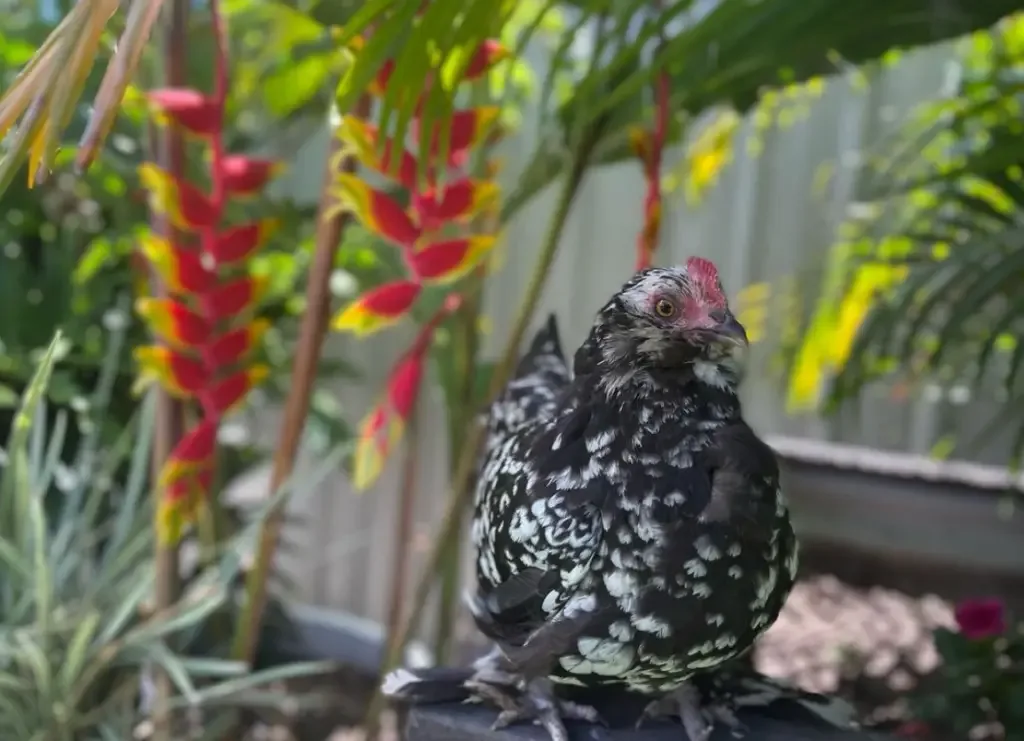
<point x="471" y="723"/>
<point x="907" y="509"/>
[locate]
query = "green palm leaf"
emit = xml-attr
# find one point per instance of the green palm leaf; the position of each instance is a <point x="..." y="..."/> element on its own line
<point x="728" y="54"/>
<point x="956" y="211"/>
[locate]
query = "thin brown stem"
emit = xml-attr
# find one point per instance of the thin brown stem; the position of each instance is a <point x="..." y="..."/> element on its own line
<point x="462" y="406"/>
<point x="404" y="523"/>
<point x="307" y="356"/>
<point x="403" y="544"/>
<point x="170" y="413"/>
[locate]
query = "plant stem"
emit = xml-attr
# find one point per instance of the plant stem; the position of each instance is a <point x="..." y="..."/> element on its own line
<point x="307" y="356"/>
<point x="403" y="542"/>
<point x="404" y="523"/>
<point x="465" y="469"/>
<point x="461" y="405"/>
<point x="170" y="422"/>
<point x="462" y="400"/>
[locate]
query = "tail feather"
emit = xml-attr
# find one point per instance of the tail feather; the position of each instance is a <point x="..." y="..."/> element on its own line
<point x="542" y="372"/>
<point x="427" y="686"/>
<point x="759" y="691"/>
<point x="544" y="352"/>
<point x="749" y="690"/>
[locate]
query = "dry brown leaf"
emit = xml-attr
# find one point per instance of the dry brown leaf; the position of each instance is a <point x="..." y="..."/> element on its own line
<point x="142" y="16"/>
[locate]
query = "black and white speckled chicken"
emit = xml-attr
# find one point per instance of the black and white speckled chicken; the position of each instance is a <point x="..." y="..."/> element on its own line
<point x="629" y="525"/>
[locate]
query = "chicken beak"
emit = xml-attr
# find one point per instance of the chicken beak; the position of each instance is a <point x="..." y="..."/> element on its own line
<point x="728" y="330"/>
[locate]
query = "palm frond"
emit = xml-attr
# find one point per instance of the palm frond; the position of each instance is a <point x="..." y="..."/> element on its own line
<point x="727" y="53"/>
<point x="946" y="230"/>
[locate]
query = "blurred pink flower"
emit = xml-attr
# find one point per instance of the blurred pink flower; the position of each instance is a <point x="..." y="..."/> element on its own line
<point x="981" y="618"/>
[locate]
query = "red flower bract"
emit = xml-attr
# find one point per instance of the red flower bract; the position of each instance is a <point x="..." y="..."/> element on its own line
<point x="241" y="242"/>
<point x="187" y="108"/>
<point x="234" y="297"/>
<point x="378" y="211"/>
<point x="450" y="259"/>
<point x="489" y="53"/>
<point x="983" y="618"/>
<point x="404" y="384"/>
<point x="247" y="175"/>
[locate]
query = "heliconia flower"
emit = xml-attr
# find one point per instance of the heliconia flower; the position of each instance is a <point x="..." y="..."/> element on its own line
<point x="222" y="396"/>
<point x="371" y="448"/>
<point x="467" y="129"/>
<point x="488" y="54"/>
<point x="404" y="384"/>
<point x="246" y="176"/>
<point x="187" y="108"/>
<point x="185" y="205"/>
<point x="231" y="347"/>
<point x="187" y="491"/>
<point x="173" y="322"/>
<point x="241" y="242"/>
<point x="194" y="451"/>
<point x="234" y="297"/>
<point x="361" y="140"/>
<point x="378" y="308"/>
<point x="182" y="270"/>
<point x="182" y="376"/>
<point x="377" y="211"/>
<point x="445" y="261"/>
<point x="179" y="503"/>
<point x="459" y="201"/>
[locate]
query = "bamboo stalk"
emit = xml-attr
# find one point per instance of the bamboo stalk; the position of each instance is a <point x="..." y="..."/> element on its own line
<point x="296" y="409"/>
<point x="170" y="413"/>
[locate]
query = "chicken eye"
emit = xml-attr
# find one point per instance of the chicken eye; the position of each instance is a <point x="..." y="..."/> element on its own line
<point x="664" y="308"/>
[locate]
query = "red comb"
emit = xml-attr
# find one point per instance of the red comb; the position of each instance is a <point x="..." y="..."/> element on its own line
<point x="702" y="271"/>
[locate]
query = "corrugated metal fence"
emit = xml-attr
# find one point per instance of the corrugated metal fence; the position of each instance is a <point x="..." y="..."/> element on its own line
<point x="763" y="222"/>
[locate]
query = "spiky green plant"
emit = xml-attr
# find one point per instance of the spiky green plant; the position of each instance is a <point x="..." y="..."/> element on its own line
<point x="76" y="636"/>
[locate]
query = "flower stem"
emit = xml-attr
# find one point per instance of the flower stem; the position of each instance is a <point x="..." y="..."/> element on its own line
<point x="307" y="356"/>
<point x="465" y="468"/>
<point x="170" y="150"/>
<point x="218" y="195"/>
<point x="461" y="406"/>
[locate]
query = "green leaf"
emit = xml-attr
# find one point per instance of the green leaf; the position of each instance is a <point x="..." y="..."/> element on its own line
<point x="227" y="689"/>
<point x="296" y="84"/>
<point x="78" y="650"/>
<point x="175" y="669"/>
<point x="8" y="397"/>
<point x="185" y="615"/>
<point x="98" y="254"/>
<point x="951" y="645"/>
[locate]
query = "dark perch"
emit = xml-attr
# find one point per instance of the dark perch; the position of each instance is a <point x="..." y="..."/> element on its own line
<point x="468" y="723"/>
